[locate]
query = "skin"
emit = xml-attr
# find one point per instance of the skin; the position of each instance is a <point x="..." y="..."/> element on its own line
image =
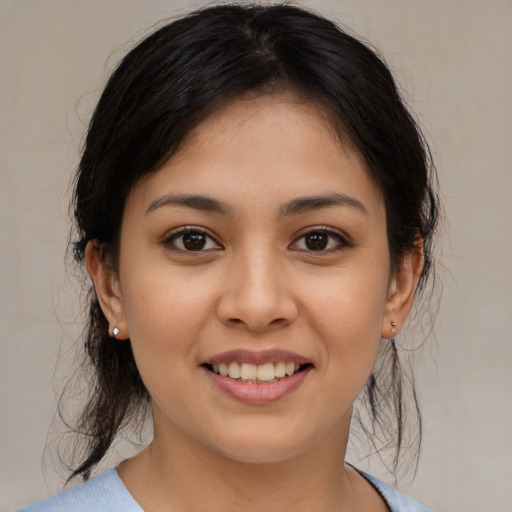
<point x="256" y="285"/>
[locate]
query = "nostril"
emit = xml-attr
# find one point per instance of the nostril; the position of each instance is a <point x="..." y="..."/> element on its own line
<point x="258" y="327"/>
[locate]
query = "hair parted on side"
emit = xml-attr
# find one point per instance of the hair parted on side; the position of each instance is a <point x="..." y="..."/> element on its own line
<point x="173" y="80"/>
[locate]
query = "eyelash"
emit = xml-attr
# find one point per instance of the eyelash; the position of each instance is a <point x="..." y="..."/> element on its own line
<point x="341" y="242"/>
<point x="170" y="240"/>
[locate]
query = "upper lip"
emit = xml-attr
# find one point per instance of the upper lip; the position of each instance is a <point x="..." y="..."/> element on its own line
<point x="258" y="357"/>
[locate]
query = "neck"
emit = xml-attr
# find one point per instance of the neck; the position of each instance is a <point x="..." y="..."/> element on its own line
<point x="179" y="473"/>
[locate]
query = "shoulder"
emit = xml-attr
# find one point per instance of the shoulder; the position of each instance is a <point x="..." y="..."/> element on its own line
<point x="397" y="501"/>
<point x="105" y="492"/>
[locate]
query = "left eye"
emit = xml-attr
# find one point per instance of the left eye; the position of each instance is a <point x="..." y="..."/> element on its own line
<point x="319" y="240"/>
<point x="192" y="240"/>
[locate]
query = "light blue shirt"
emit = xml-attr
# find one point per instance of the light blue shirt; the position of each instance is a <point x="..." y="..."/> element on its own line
<point x="107" y="493"/>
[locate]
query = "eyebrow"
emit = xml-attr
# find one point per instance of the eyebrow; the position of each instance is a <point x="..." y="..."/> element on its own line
<point x="293" y="207"/>
<point x="197" y="202"/>
<point x="307" y="203"/>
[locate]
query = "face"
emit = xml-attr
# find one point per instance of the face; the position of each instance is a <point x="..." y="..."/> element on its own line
<point x="259" y="250"/>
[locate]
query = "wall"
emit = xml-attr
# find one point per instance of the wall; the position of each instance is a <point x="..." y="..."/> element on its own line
<point x="452" y="57"/>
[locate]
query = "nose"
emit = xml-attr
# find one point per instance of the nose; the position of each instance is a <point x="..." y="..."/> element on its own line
<point x="256" y="296"/>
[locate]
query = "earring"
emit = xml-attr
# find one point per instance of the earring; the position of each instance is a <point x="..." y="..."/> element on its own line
<point x="115" y="331"/>
<point x="393" y="325"/>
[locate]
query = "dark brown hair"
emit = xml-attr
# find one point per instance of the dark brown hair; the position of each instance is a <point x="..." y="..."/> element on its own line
<point x="177" y="77"/>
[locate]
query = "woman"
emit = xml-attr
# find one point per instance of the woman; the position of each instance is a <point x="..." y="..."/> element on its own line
<point x="255" y="207"/>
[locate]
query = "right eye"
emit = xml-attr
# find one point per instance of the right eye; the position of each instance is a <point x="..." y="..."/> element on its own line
<point x="191" y="240"/>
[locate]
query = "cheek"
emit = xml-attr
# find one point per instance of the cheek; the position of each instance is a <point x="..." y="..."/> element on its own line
<point x="348" y="300"/>
<point x="162" y="322"/>
<point x="164" y="314"/>
<point x="347" y="310"/>
<point x="162" y="304"/>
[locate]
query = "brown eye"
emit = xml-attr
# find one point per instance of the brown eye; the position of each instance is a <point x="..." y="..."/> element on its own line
<point x="320" y="240"/>
<point x="194" y="241"/>
<point x="191" y="240"/>
<point x="316" y="241"/>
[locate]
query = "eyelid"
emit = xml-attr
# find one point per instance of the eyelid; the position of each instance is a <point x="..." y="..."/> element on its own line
<point x="344" y="240"/>
<point x="182" y="230"/>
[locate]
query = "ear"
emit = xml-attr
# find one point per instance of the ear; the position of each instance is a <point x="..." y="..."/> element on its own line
<point x="402" y="288"/>
<point x="108" y="290"/>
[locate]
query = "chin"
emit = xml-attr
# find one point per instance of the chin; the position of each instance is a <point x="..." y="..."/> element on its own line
<point x="261" y="447"/>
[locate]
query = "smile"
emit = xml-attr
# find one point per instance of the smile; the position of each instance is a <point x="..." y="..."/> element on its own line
<point x="257" y="377"/>
<point x="256" y="373"/>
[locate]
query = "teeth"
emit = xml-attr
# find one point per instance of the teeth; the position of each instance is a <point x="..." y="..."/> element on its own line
<point x="267" y="372"/>
<point x="248" y="371"/>
<point x="280" y="370"/>
<point x="234" y="370"/>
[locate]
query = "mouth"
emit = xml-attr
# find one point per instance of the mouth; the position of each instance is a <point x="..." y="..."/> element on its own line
<point x="257" y="378"/>
<point x="265" y="373"/>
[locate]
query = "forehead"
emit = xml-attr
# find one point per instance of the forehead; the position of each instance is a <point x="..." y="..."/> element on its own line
<point x="264" y="148"/>
<point x="271" y="121"/>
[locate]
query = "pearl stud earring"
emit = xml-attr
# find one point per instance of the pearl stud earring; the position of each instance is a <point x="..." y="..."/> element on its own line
<point x="115" y="331"/>
<point x="393" y="325"/>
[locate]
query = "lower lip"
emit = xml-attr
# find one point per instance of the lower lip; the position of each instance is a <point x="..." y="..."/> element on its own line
<point x="257" y="394"/>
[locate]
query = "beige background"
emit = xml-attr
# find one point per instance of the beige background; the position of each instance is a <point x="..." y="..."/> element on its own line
<point x="453" y="58"/>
